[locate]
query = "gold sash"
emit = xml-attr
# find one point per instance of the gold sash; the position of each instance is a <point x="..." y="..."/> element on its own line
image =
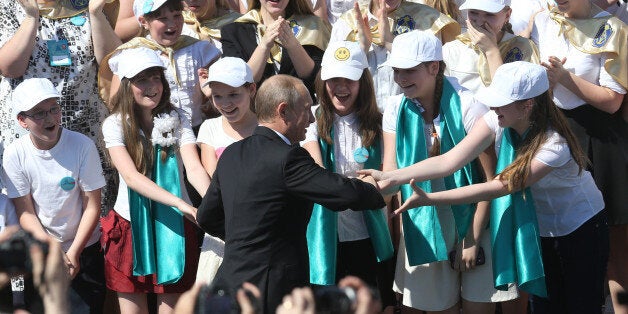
<point x="605" y="34"/>
<point x="209" y="28"/>
<point x="105" y="74"/>
<point x="308" y="30"/>
<point x="61" y="9"/>
<point x="408" y="16"/>
<point x="516" y="48"/>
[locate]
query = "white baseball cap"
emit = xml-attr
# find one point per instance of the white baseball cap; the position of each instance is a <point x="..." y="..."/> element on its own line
<point x="492" y="6"/>
<point x="30" y="93"/>
<point x="231" y="71"/>
<point x="412" y="48"/>
<point x="129" y="62"/>
<point x="141" y="7"/>
<point x="343" y="59"/>
<point x="514" y="81"/>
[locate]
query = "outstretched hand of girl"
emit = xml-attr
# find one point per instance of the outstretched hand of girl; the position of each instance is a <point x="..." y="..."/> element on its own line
<point x="418" y="198"/>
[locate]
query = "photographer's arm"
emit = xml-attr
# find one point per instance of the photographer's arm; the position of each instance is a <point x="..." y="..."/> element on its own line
<point x="89" y="221"/>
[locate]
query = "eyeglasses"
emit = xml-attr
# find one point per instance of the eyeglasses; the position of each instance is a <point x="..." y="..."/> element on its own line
<point x="40" y="115"/>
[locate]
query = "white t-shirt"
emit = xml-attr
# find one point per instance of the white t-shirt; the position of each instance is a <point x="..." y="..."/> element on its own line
<point x="188" y="60"/>
<point x="112" y="133"/>
<point x="587" y="66"/>
<point x="213" y="134"/>
<point x="351" y="224"/>
<point x="55" y="178"/>
<point x="7" y="212"/>
<point x="564" y="199"/>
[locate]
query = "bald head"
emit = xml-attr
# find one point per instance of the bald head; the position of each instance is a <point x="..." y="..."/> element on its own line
<point x="275" y="90"/>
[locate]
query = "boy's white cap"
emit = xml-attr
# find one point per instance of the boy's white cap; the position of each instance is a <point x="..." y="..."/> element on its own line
<point x="492" y="6"/>
<point x="514" y="81"/>
<point x="129" y="62"/>
<point x="343" y="59"/>
<point x="411" y="48"/>
<point x="141" y="7"/>
<point x="30" y="93"/>
<point x="231" y="71"/>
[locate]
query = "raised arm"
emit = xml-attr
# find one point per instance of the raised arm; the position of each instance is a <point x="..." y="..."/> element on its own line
<point x="15" y="54"/>
<point x="127" y="26"/>
<point x="104" y="38"/>
<point x="471" y="193"/>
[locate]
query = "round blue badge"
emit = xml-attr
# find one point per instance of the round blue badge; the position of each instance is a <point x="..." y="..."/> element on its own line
<point x="67" y="183"/>
<point x="361" y="155"/>
<point x="78" y="20"/>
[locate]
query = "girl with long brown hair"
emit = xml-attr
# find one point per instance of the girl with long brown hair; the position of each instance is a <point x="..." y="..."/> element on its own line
<point x="347" y="137"/>
<point x="150" y="246"/>
<point x="542" y="178"/>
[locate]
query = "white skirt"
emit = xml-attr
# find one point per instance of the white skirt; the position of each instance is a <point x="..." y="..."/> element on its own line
<point x="212" y="252"/>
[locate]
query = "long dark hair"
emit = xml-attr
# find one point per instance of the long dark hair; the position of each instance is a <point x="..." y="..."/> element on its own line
<point x="368" y="116"/>
<point x="544" y="116"/>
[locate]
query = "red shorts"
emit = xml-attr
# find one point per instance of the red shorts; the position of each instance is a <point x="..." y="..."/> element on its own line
<point x="118" y="244"/>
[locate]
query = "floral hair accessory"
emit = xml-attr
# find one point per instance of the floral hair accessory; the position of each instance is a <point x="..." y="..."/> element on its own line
<point x="164" y="127"/>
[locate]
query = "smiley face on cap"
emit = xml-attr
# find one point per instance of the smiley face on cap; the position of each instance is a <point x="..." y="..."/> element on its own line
<point x="342" y="54"/>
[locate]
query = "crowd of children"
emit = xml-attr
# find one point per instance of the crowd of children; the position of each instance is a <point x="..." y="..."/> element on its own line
<point x="502" y="153"/>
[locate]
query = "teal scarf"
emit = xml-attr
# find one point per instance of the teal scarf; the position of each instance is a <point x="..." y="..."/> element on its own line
<point x="515" y="232"/>
<point x="421" y="226"/>
<point x="157" y="229"/>
<point x="322" y="230"/>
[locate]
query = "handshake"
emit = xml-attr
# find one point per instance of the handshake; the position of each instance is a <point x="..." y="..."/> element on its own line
<point x="379" y="179"/>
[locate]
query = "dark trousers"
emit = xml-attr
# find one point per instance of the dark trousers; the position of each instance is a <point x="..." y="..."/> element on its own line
<point x="575" y="266"/>
<point x="357" y="258"/>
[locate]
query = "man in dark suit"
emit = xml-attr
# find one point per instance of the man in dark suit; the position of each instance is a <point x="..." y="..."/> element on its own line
<point x="261" y="196"/>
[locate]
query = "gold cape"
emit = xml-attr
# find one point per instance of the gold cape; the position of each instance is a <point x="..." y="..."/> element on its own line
<point x="514" y="49"/>
<point x="606" y="34"/>
<point x="408" y="16"/>
<point x="105" y="74"/>
<point x="308" y="30"/>
<point x="209" y="28"/>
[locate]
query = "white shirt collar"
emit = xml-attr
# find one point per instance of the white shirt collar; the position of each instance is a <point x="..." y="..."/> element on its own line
<point x="285" y="139"/>
<point x="347" y="119"/>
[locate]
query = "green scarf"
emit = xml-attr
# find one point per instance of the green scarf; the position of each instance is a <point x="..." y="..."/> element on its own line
<point x="157" y="229"/>
<point x="322" y="230"/>
<point x="421" y="226"/>
<point x="515" y="232"/>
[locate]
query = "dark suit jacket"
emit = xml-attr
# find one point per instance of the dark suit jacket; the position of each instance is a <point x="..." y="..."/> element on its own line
<point x="260" y="201"/>
<point x="239" y="40"/>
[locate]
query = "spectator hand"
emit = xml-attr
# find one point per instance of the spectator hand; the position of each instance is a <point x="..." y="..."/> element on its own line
<point x="271" y="34"/>
<point x="52" y="279"/>
<point x="466" y="255"/>
<point x="286" y="36"/>
<point x="365" y="38"/>
<point x="71" y="259"/>
<point x="96" y="6"/>
<point x="383" y="25"/>
<point x="366" y="301"/>
<point x="482" y="36"/>
<point x="555" y="70"/>
<point x="300" y="301"/>
<point x="246" y="306"/>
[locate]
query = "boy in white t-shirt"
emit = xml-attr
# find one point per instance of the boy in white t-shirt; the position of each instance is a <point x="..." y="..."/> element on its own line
<point x="54" y="178"/>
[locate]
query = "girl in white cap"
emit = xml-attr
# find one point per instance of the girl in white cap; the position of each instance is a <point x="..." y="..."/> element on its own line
<point x="233" y="92"/>
<point x="585" y="52"/>
<point x="347" y="137"/>
<point x="541" y="177"/>
<point x="374" y="27"/>
<point x="54" y="178"/>
<point x="182" y="55"/>
<point x="150" y="246"/>
<point x="432" y="115"/>
<point x="488" y="43"/>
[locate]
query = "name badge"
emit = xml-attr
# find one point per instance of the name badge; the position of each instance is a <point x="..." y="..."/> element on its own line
<point x="360" y="155"/>
<point x="59" y="52"/>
